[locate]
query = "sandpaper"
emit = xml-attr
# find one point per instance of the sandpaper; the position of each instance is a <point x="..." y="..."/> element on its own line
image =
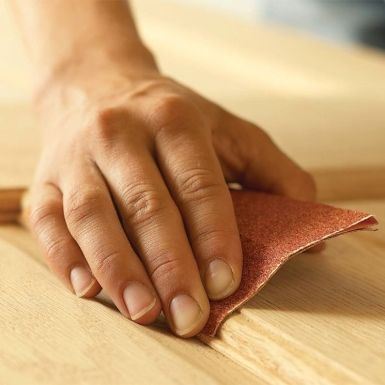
<point x="272" y="229"/>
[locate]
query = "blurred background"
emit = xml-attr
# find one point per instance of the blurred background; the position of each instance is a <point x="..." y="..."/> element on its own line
<point x="353" y="21"/>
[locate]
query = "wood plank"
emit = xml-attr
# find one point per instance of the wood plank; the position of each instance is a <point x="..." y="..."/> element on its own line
<point x="49" y="336"/>
<point x="321" y="319"/>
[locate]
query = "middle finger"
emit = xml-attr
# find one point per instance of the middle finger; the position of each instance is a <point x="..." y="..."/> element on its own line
<point x="154" y="226"/>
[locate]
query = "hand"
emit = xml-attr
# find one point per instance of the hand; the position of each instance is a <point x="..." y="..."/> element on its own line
<point x="130" y="194"/>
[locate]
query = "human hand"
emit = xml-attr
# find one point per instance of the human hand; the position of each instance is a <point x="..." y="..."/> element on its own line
<point x="130" y="194"/>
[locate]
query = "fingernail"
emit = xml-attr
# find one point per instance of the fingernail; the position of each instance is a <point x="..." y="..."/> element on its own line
<point x="81" y="280"/>
<point x="139" y="300"/>
<point x="219" y="279"/>
<point x="185" y="313"/>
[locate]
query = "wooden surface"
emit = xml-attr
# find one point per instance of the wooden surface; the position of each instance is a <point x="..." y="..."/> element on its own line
<point x="321" y="319"/>
<point x="50" y="337"/>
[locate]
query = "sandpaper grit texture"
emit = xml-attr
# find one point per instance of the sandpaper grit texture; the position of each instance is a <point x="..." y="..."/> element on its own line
<point x="272" y="229"/>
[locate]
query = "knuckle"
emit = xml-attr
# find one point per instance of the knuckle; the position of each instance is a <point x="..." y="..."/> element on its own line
<point x="105" y="261"/>
<point x="198" y="184"/>
<point x="211" y="240"/>
<point x="260" y="141"/>
<point x="163" y="266"/>
<point x="170" y="111"/>
<point x="82" y="204"/>
<point x="109" y="122"/>
<point x="143" y="203"/>
<point x="214" y="235"/>
<point x="55" y="247"/>
<point x="262" y="135"/>
<point x="254" y="131"/>
<point x="43" y="212"/>
<point x="263" y="142"/>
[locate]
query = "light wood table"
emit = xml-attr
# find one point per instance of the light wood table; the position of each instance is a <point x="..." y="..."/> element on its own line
<point x="320" y="320"/>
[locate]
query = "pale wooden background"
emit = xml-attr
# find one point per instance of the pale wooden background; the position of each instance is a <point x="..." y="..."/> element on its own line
<point x="321" y="320"/>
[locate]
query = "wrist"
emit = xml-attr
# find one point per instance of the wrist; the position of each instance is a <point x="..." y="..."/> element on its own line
<point x="97" y="66"/>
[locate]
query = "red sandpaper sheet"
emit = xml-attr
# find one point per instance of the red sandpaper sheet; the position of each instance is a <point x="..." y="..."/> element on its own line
<point x="272" y="229"/>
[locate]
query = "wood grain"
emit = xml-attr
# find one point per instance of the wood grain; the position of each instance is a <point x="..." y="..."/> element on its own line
<point x="49" y="336"/>
<point x="320" y="320"/>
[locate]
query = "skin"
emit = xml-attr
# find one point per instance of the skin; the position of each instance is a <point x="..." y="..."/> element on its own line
<point x="130" y="194"/>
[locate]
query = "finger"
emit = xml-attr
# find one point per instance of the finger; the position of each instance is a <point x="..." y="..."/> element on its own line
<point x="155" y="228"/>
<point x="194" y="176"/>
<point x="93" y="222"/>
<point x="250" y="157"/>
<point x="62" y="253"/>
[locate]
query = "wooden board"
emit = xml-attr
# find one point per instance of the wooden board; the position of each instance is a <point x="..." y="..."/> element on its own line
<point x="320" y="320"/>
<point x="48" y="336"/>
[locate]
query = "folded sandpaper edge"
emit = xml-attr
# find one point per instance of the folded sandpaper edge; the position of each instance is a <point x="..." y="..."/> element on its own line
<point x="364" y="223"/>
